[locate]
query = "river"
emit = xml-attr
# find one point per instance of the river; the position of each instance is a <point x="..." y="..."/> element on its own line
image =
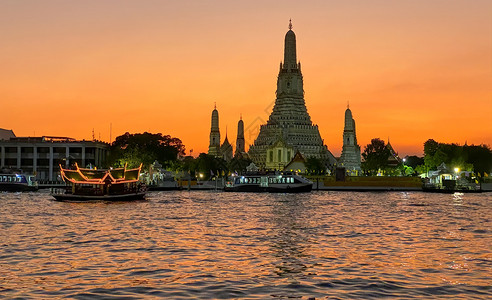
<point x="216" y="245"/>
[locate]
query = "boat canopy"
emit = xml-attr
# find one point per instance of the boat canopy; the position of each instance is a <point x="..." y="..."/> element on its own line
<point x="90" y="176"/>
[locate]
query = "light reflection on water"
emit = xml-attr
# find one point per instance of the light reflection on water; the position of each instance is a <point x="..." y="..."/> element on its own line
<point x="228" y="245"/>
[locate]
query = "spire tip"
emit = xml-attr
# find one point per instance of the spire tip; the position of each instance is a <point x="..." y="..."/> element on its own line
<point x="290" y="24"/>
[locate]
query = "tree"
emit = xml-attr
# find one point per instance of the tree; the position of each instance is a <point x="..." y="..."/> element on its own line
<point x="414" y="161"/>
<point x="210" y="166"/>
<point x="315" y="166"/>
<point x="239" y="164"/>
<point x="145" y="148"/>
<point x="375" y="156"/>
<point x="477" y="158"/>
<point x="480" y="157"/>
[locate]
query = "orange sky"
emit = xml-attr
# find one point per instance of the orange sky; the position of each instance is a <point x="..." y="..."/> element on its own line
<point x="412" y="70"/>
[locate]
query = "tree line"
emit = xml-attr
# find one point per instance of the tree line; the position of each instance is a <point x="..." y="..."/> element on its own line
<point x="169" y="151"/>
<point x="473" y="158"/>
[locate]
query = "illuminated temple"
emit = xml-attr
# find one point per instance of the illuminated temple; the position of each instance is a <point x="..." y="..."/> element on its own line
<point x="289" y="128"/>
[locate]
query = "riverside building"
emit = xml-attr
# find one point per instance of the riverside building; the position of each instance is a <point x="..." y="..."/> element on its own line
<point x="42" y="156"/>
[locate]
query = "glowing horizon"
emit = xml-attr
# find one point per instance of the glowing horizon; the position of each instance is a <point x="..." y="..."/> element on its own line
<point x="412" y="70"/>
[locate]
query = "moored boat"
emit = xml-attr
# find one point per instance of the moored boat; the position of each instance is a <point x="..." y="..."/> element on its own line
<point x="83" y="185"/>
<point x="18" y="183"/>
<point x="272" y="183"/>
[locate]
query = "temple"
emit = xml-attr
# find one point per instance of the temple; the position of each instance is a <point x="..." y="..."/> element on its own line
<point x="226" y="149"/>
<point x="289" y="128"/>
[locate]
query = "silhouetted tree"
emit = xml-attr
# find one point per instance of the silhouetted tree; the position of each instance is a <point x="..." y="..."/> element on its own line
<point x="414" y="161"/>
<point x="145" y="148"/>
<point x="480" y="157"/>
<point x="210" y="166"/>
<point x="315" y="166"/>
<point x="476" y="158"/>
<point x="238" y="164"/>
<point x="375" y="156"/>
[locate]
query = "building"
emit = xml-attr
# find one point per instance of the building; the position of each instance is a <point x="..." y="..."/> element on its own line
<point x="214" y="145"/>
<point x="289" y="120"/>
<point x="226" y="149"/>
<point x="42" y="156"/>
<point x="350" y="158"/>
<point x="278" y="155"/>
<point x="6" y="134"/>
<point x="394" y="159"/>
<point x="297" y="164"/>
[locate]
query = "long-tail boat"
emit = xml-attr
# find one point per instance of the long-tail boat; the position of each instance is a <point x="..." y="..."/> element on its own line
<point x="82" y="185"/>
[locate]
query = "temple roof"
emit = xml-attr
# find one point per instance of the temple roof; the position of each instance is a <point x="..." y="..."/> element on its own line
<point x="91" y="176"/>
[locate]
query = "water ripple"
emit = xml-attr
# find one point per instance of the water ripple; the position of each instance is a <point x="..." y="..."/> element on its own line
<point x="204" y="245"/>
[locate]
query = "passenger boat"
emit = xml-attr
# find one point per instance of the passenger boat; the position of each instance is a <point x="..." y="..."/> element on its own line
<point x="18" y="183"/>
<point x="272" y="183"/>
<point x="83" y="185"/>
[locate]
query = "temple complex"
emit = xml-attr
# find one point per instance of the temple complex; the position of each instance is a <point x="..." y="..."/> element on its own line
<point x="289" y="128"/>
<point x="350" y="158"/>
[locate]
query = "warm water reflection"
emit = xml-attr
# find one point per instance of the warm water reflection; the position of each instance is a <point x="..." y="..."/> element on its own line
<point x="226" y="245"/>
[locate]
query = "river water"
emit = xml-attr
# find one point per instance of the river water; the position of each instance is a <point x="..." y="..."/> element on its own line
<point x="215" y="245"/>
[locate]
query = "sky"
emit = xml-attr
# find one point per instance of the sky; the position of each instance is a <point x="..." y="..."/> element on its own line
<point x="411" y="70"/>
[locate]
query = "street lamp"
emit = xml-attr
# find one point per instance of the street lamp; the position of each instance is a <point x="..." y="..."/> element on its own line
<point x="456" y="171"/>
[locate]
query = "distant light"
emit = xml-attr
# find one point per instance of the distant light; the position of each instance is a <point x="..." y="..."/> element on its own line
<point x="456" y="170"/>
<point x="404" y="160"/>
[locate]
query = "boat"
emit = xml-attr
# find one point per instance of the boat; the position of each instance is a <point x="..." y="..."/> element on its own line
<point x="272" y="183"/>
<point x="18" y="182"/>
<point x="85" y="185"/>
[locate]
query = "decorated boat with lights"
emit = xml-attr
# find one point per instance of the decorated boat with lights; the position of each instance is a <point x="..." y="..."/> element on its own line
<point x="14" y="182"/>
<point x="82" y="185"/>
<point x="272" y="183"/>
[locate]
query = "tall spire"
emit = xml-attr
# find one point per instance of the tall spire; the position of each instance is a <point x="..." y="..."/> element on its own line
<point x="350" y="157"/>
<point x="290" y="57"/>
<point x="240" y="143"/>
<point x="214" y="145"/>
<point x="289" y="121"/>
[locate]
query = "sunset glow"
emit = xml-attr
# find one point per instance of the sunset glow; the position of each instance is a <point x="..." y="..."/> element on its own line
<point x="411" y="70"/>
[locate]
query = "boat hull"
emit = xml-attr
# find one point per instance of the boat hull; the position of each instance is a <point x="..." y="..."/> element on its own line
<point x="17" y="187"/>
<point x="109" y="198"/>
<point x="298" y="188"/>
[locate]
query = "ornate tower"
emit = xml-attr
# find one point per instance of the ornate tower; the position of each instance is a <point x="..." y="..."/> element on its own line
<point x="240" y="138"/>
<point x="214" y="146"/>
<point x="350" y="158"/>
<point x="289" y="119"/>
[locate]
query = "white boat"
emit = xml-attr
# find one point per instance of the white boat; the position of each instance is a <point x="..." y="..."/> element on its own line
<point x="18" y="182"/>
<point x="272" y="183"/>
